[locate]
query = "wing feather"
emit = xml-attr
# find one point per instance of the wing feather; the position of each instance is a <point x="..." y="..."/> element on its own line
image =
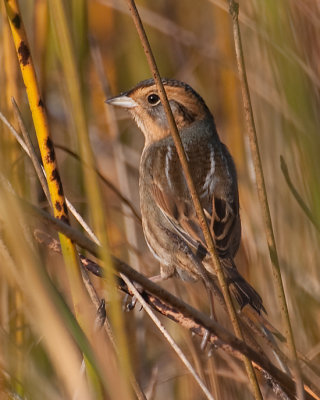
<point x="217" y="187"/>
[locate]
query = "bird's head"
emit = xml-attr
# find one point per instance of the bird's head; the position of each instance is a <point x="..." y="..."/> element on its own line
<point x="143" y="102"/>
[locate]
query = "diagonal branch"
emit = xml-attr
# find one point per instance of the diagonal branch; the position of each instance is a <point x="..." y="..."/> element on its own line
<point x="177" y="310"/>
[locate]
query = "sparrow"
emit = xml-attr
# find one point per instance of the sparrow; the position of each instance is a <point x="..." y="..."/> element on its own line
<point x="170" y="224"/>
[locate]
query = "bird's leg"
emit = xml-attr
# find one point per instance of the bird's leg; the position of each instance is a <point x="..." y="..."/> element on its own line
<point x="207" y="282"/>
<point x="156" y="278"/>
<point x="166" y="272"/>
<point x="211" y="288"/>
<point x="212" y="315"/>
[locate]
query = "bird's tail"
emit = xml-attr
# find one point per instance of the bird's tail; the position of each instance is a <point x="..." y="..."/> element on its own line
<point x="246" y="295"/>
<point x="243" y="292"/>
<point x="251" y="306"/>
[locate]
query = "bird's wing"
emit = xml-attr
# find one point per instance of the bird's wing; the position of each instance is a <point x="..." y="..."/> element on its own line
<point x="180" y="214"/>
<point x="216" y="186"/>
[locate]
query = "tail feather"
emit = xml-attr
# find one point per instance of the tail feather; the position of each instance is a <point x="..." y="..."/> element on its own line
<point x="240" y="288"/>
<point x="251" y="307"/>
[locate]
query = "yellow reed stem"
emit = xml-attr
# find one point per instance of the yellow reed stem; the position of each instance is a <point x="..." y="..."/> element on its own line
<point x="60" y="211"/>
<point x="40" y="121"/>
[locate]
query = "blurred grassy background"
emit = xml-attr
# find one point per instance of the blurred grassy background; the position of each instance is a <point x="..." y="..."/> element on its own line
<point x="192" y="43"/>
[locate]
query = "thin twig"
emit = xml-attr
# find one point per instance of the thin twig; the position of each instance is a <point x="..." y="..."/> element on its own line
<point x="27" y="146"/>
<point x="31" y="151"/>
<point x="297" y="196"/>
<point x="81" y="221"/>
<point x="14" y="132"/>
<point x="217" y="270"/>
<point x="167" y="336"/>
<point x="262" y="193"/>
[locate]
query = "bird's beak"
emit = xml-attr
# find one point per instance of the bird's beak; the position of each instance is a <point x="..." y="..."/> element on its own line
<point x="122" y="101"/>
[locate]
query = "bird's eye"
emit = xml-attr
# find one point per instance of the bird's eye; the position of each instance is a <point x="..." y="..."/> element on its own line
<point x="153" y="99"/>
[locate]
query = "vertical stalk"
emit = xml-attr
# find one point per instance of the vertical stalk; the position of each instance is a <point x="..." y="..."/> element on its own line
<point x="195" y="198"/>
<point x="41" y="125"/>
<point x="262" y="193"/>
<point x="43" y="135"/>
